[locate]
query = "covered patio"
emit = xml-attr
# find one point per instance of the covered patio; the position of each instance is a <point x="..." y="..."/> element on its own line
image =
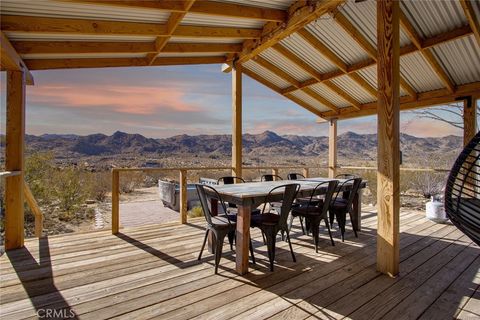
<point x="336" y="59"/>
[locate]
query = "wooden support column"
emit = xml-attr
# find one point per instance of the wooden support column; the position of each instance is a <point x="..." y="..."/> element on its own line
<point x="237" y="120"/>
<point x="14" y="160"/>
<point x="388" y="108"/>
<point x="305" y="172"/>
<point x="115" y="201"/>
<point x="183" y="196"/>
<point x="469" y="120"/>
<point x="332" y="149"/>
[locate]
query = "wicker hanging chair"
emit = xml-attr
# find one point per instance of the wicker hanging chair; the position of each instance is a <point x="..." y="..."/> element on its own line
<point x="462" y="193"/>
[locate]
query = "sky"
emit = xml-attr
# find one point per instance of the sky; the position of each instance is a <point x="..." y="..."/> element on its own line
<point x="161" y="102"/>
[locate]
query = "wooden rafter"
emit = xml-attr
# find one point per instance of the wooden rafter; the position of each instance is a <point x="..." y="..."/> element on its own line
<point x="297" y="61"/>
<point x="45" y="64"/>
<point x="425" y="99"/>
<point x="427" y="54"/>
<point x="11" y="60"/>
<point x="172" y="24"/>
<point x="321" y="99"/>
<point x="473" y="20"/>
<point x="345" y="96"/>
<point x="204" y="7"/>
<point x="91" y="47"/>
<point x="362" y="41"/>
<point x="301" y="13"/>
<point x="99" y="27"/>
<point x="406" y="50"/>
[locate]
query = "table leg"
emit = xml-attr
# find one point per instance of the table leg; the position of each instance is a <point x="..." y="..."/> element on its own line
<point x="243" y="237"/>
<point x="211" y="238"/>
<point x="357" y="211"/>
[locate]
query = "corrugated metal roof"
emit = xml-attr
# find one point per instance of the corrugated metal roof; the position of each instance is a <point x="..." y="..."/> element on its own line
<point x="328" y="94"/>
<point x="309" y="54"/>
<point x="83" y="55"/>
<point x="14" y="36"/>
<point x="363" y="15"/>
<point x="219" y="21"/>
<point x="464" y="49"/>
<point x="205" y="40"/>
<point x="353" y="89"/>
<point x="430" y="18"/>
<point x="330" y="33"/>
<point x="418" y="72"/>
<point x="58" y="9"/>
<point x="190" y="54"/>
<point x="274" y="4"/>
<point x="286" y="65"/>
<point x="370" y="75"/>
<point x="266" y="74"/>
<point x="309" y="100"/>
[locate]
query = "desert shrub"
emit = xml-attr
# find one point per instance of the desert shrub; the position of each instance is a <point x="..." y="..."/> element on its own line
<point x="69" y="190"/>
<point x="195" y="212"/>
<point x="426" y="183"/>
<point x="99" y="185"/>
<point x="39" y="174"/>
<point x="129" y="181"/>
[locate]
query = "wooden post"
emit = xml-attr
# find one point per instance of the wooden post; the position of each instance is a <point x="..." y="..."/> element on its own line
<point x="332" y="149"/>
<point x="14" y="160"/>
<point x="237" y="120"/>
<point x="388" y="109"/>
<point x="275" y="173"/>
<point x="469" y="120"/>
<point x="32" y="203"/>
<point x="183" y="196"/>
<point x="115" y="201"/>
<point x="305" y="172"/>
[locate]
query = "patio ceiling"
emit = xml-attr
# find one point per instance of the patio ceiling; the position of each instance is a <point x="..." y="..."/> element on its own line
<point x="320" y="54"/>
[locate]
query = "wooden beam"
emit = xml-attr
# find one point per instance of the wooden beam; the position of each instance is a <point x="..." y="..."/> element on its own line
<point x="263" y="81"/>
<point x="388" y="172"/>
<point x="205" y="7"/>
<point x="301" y="13"/>
<point x="427" y="54"/>
<point x="332" y="149"/>
<point x="47" y="64"/>
<point x="364" y="84"/>
<point x="78" y="47"/>
<point x="15" y="160"/>
<point x="115" y="201"/>
<point x="100" y="27"/>
<point x="321" y="99"/>
<point x="406" y="50"/>
<point x="32" y="203"/>
<point x="407" y="87"/>
<point x="469" y="120"/>
<point x="237" y="120"/>
<point x="183" y="197"/>
<point x="473" y="20"/>
<point x="323" y="49"/>
<point x="425" y="99"/>
<point x="342" y="94"/>
<point x="276" y="70"/>
<point x="297" y="61"/>
<point x="11" y="60"/>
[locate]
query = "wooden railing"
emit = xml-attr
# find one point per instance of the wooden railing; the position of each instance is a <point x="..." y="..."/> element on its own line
<point x="30" y="199"/>
<point x="183" y="173"/>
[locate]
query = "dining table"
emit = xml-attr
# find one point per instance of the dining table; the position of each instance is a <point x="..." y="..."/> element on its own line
<point x="250" y="195"/>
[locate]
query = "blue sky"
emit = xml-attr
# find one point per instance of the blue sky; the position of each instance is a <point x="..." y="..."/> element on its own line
<point x="165" y="101"/>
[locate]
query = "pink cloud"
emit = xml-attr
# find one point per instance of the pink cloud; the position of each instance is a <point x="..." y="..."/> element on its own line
<point x="118" y="98"/>
<point x="430" y="128"/>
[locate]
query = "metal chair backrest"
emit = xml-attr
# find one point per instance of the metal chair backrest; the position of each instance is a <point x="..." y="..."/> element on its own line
<point x="346" y="176"/>
<point x="230" y="180"/>
<point x="331" y="187"/>
<point x="270" y="177"/>
<point x="202" y="194"/>
<point x="351" y="191"/>
<point x="295" y="176"/>
<point x="462" y="192"/>
<point x="289" y="194"/>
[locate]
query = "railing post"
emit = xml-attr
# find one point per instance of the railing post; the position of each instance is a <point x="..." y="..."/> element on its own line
<point x="32" y="203"/>
<point x="305" y="172"/>
<point x="332" y="149"/>
<point x="115" y="201"/>
<point x="275" y="173"/>
<point x="183" y="196"/>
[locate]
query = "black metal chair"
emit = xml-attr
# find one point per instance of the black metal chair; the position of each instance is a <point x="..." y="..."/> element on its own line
<point x="221" y="225"/>
<point x="295" y="176"/>
<point x="462" y="192"/>
<point x="340" y="206"/>
<point x="316" y="210"/>
<point x="230" y="180"/>
<point x="270" y="223"/>
<point x="270" y="177"/>
<point x="346" y="194"/>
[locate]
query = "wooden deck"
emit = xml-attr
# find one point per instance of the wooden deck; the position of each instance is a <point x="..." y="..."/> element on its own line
<point x="152" y="272"/>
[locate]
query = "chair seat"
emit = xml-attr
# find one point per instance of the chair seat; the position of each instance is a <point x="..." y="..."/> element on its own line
<point x="221" y="221"/>
<point x="339" y="205"/>
<point x="232" y="214"/>
<point x="307" y="210"/>
<point x="264" y="219"/>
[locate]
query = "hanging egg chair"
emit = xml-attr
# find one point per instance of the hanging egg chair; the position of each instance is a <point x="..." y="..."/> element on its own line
<point x="462" y="193"/>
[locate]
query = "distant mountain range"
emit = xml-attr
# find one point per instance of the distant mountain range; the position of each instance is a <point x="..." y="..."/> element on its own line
<point x="350" y="145"/>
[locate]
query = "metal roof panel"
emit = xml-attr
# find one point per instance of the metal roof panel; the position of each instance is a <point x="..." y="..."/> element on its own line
<point x="285" y="64"/>
<point x="349" y="85"/>
<point x="309" y="100"/>
<point x="331" y="96"/>
<point x="266" y="74"/>
<point x="219" y="21"/>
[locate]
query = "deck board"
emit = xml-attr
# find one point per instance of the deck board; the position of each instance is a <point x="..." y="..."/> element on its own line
<point x="152" y="272"/>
